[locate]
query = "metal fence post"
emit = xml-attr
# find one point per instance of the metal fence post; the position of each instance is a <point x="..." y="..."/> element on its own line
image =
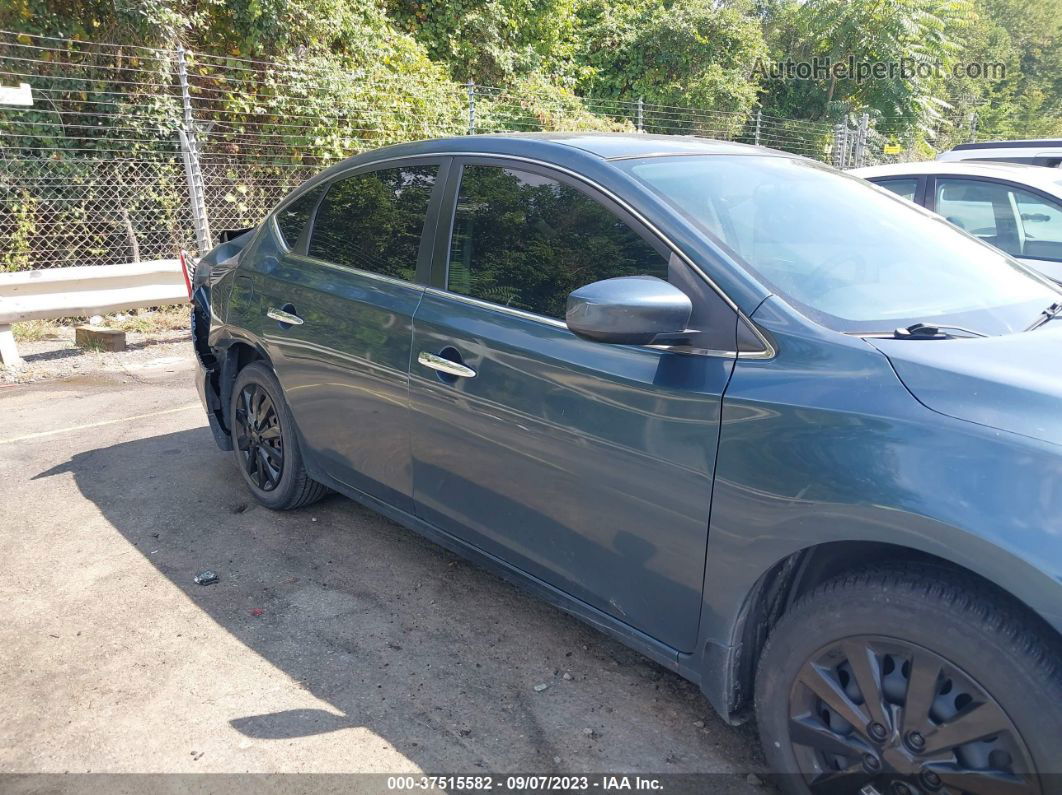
<point x="471" y="107"/>
<point x="973" y="127"/>
<point x="759" y="116"/>
<point x="840" y="144"/>
<point x="190" y="153"/>
<point x="640" y="124"/>
<point x="861" y="139"/>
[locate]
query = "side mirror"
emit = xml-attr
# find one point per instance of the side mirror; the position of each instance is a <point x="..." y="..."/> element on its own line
<point x="629" y="310"/>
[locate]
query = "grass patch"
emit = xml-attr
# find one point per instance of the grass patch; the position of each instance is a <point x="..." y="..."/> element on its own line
<point x="36" y="330"/>
<point x="92" y="347"/>
<point x="151" y="321"/>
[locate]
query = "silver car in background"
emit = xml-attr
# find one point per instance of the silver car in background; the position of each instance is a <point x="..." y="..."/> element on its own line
<point x="1047" y="152"/>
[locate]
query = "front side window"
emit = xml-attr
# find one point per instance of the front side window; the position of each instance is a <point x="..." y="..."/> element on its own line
<point x="1020" y="222"/>
<point x="1041" y="222"/>
<point x="853" y="258"/>
<point x="373" y="221"/>
<point x="525" y="241"/>
<point x="981" y="208"/>
<point x="291" y="219"/>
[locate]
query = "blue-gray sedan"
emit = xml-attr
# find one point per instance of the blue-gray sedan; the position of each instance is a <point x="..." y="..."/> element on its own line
<point x="781" y="431"/>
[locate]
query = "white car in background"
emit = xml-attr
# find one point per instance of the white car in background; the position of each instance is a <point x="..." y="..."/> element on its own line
<point x="1016" y="208"/>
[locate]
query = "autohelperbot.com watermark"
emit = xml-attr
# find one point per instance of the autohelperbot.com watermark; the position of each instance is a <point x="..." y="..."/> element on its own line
<point x="851" y="68"/>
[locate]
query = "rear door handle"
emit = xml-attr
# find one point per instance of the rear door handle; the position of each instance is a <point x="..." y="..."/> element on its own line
<point x="281" y="316"/>
<point x="445" y="365"/>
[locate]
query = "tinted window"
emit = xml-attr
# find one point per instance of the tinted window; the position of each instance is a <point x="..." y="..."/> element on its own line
<point x="292" y="219"/>
<point x="526" y="241"/>
<point x="373" y="221"/>
<point x="906" y="187"/>
<point x="1017" y="221"/>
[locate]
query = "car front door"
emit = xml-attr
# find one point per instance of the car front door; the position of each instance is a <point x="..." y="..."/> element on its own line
<point x="588" y="466"/>
<point x="350" y="279"/>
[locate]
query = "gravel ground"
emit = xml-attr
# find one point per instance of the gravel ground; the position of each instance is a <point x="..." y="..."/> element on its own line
<point x="335" y="641"/>
<point x="58" y="357"/>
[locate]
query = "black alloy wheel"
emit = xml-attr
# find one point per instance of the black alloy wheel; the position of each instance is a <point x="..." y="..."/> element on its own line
<point x="258" y="437"/>
<point x="871" y="714"/>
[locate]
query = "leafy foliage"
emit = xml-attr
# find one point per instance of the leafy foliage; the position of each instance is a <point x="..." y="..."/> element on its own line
<point x="693" y="53"/>
<point x="492" y="42"/>
<point x="285" y="87"/>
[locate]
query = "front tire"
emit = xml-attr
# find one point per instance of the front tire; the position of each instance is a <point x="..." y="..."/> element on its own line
<point x="911" y="681"/>
<point x="264" y="442"/>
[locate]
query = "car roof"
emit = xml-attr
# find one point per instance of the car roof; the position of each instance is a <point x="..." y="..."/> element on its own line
<point x="602" y="146"/>
<point x="612" y="146"/>
<point x="1054" y="143"/>
<point x="1048" y="179"/>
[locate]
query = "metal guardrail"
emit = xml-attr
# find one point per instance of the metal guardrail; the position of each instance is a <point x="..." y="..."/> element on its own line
<point x="84" y="291"/>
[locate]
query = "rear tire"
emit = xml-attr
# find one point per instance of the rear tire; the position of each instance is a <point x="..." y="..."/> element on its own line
<point x="940" y="657"/>
<point x="264" y="444"/>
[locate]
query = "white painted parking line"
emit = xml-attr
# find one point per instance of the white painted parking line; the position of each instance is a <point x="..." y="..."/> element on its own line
<point x="86" y="426"/>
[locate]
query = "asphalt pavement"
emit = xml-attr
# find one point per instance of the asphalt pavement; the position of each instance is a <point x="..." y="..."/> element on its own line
<point x="334" y="642"/>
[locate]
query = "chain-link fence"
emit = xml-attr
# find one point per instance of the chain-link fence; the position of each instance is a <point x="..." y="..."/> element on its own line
<point x="131" y="153"/>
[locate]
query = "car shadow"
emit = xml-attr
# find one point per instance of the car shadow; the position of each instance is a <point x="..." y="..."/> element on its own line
<point x="443" y="660"/>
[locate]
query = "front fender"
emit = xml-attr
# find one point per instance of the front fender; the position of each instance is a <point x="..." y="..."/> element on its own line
<point x="824" y="444"/>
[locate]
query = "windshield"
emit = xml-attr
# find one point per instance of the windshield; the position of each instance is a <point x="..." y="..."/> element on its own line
<point x="851" y="256"/>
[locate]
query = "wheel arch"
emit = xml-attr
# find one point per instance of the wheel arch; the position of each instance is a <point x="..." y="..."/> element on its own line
<point x="233" y="355"/>
<point x="798" y="573"/>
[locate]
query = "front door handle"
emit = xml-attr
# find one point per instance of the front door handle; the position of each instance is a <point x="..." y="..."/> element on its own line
<point x="445" y="365"/>
<point x="281" y="316"/>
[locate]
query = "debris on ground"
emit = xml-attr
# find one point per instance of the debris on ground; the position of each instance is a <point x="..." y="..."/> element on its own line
<point x="257" y="611"/>
<point x="754" y="780"/>
<point x="540" y="687"/>
<point x="207" y="577"/>
<point x="567" y="677"/>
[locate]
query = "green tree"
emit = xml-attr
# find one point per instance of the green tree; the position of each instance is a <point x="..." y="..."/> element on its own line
<point x="1026" y="37"/>
<point x="921" y="33"/>
<point x="493" y="42"/>
<point x="696" y="54"/>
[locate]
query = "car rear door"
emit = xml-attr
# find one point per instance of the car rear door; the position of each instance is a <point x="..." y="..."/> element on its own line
<point x="352" y="281"/>
<point x="911" y="187"/>
<point x="588" y="466"/>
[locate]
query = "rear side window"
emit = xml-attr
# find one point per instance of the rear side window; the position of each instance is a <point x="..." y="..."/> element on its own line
<point x="525" y="241"/>
<point x="373" y="221"/>
<point x="905" y="187"/>
<point x="292" y="219"/>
